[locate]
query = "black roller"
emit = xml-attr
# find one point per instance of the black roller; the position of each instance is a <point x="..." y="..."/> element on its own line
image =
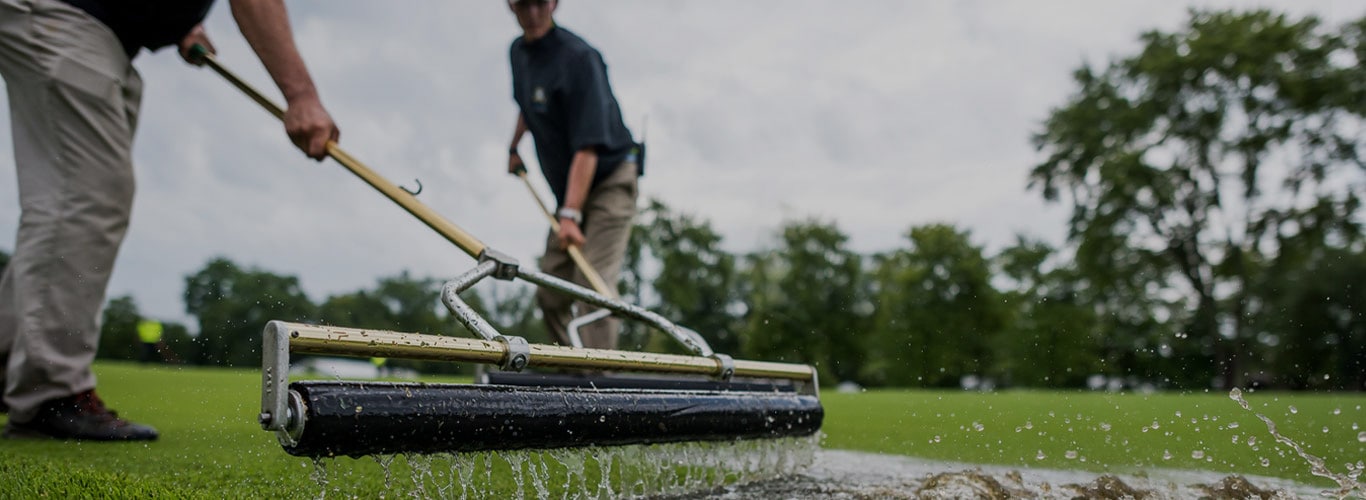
<point x="355" y="418"/>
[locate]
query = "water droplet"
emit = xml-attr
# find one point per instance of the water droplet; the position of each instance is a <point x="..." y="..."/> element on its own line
<point x="1105" y="427"/>
<point x="1361" y="437"/>
<point x="1198" y="454"/>
<point x="1155" y="425"/>
<point x="1166" y="455"/>
<point x="1265" y="462"/>
<point x="1071" y="454"/>
<point x="1040" y="455"/>
<point x="1233" y="425"/>
<point x="1337" y="411"/>
<point x="1325" y="429"/>
<point x="977" y="426"/>
<point x="1029" y="425"/>
<point x="1294" y="410"/>
<point x="1252" y="440"/>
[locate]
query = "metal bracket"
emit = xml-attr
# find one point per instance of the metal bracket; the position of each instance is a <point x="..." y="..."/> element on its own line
<point x="727" y="365"/>
<point x="519" y="350"/>
<point x="505" y="266"/>
<point x="519" y="353"/>
<point x="281" y="409"/>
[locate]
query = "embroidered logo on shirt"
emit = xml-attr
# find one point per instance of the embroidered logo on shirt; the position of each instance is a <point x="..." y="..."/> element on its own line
<point x="538" y="95"/>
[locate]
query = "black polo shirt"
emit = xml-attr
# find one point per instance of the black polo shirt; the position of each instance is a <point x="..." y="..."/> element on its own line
<point x="560" y="85"/>
<point x="146" y="23"/>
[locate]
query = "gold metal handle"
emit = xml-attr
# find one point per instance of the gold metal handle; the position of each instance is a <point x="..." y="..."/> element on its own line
<point x="575" y="254"/>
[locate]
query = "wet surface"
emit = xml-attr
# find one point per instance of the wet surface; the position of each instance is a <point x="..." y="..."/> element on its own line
<point x="837" y="474"/>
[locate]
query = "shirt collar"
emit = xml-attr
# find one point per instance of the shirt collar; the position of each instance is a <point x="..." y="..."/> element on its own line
<point x="551" y="39"/>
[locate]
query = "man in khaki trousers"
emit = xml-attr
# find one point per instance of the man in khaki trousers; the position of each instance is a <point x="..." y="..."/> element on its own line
<point x="74" y="98"/>
<point x="586" y="153"/>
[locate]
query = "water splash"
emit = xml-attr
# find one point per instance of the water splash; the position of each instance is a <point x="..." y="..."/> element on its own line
<point x="607" y="472"/>
<point x="1347" y="483"/>
<point x="319" y="475"/>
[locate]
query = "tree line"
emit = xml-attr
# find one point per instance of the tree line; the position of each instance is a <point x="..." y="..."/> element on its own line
<point x="1215" y="240"/>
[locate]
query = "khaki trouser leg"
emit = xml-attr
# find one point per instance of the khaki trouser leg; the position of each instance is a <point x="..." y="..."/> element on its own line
<point x="73" y="98"/>
<point x="607" y="217"/>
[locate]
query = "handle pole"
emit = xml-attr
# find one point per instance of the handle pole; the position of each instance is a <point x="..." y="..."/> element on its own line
<point x="575" y="254"/>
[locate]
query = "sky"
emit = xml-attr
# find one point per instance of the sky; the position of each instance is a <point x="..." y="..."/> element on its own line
<point x="876" y="115"/>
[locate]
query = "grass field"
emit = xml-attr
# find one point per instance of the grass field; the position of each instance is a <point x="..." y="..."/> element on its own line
<point x="212" y="448"/>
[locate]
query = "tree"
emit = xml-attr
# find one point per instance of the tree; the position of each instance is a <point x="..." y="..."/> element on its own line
<point x="1051" y="336"/>
<point x="233" y="305"/>
<point x="696" y="284"/>
<point x="119" y="330"/>
<point x="1317" y="338"/>
<point x="937" y="314"/>
<point x="1188" y="164"/>
<point x="806" y="302"/>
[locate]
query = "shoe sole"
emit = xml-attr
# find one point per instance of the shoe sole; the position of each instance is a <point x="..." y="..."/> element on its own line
<point x="21" y="434"/>
<point x="12" y="432"/>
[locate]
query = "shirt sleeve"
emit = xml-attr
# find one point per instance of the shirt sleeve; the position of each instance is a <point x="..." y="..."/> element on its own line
<point x="589" y="102"/>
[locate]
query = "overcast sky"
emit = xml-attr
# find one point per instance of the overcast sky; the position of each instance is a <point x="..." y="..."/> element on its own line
<point x="878" y="115"/>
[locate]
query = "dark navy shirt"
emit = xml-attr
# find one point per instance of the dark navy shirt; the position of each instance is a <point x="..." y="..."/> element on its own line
<point x="560" y="85"/>
<point x="146" y="23"/>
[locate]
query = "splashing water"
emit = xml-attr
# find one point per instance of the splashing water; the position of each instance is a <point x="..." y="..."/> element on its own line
<point x="319" y="475"/>
<point x="1347" y="483"/>
<point x="597" y="472"/>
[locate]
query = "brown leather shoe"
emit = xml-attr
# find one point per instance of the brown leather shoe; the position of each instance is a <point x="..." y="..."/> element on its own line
<point x="81" y="417"/>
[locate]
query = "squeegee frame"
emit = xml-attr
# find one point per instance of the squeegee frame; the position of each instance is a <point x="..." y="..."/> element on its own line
<point x="282" y="409"/>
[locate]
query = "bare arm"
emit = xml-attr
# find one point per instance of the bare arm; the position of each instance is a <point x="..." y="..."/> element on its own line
<point x="581" y="172"/>
<point x="265" y="25"/>
<point x="515" y="160"/>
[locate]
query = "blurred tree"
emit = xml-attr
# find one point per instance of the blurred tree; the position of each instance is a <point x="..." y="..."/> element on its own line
<point x="232" y="306"/>
<point x="118" y="330"/>
<point x="634" y="286"/>
<point x="1317" y="336"/>
<point x="937" y="314"/>
<point x="1187" y="163"/>
<point x="401" y="303"/>
<point x="414" y="304"/>
<point x="360" y="309"/>
<point x="1052" y="335"/>
<point x="512" y="309"/>
<point x="696" y="281"/>
<point x="807" y="302"/>
<point x="180" y="344"/>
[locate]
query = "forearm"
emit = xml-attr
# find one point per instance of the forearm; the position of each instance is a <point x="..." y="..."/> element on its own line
<point x="265" y="25"/>
<point x="518" y="132"/>
<point x="581" y="172"/>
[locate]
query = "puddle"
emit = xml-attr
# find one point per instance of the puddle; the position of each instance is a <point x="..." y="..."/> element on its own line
<point x="838" y="474"/>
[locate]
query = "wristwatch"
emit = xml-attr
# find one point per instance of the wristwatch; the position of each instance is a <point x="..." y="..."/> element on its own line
<point x="571" y="214"/>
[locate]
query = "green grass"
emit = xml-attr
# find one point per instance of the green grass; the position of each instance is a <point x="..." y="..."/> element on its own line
<point x="212" y="448"/>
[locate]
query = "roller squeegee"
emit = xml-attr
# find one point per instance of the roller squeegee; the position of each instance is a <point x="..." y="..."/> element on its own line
<point x="636" y="398"/>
